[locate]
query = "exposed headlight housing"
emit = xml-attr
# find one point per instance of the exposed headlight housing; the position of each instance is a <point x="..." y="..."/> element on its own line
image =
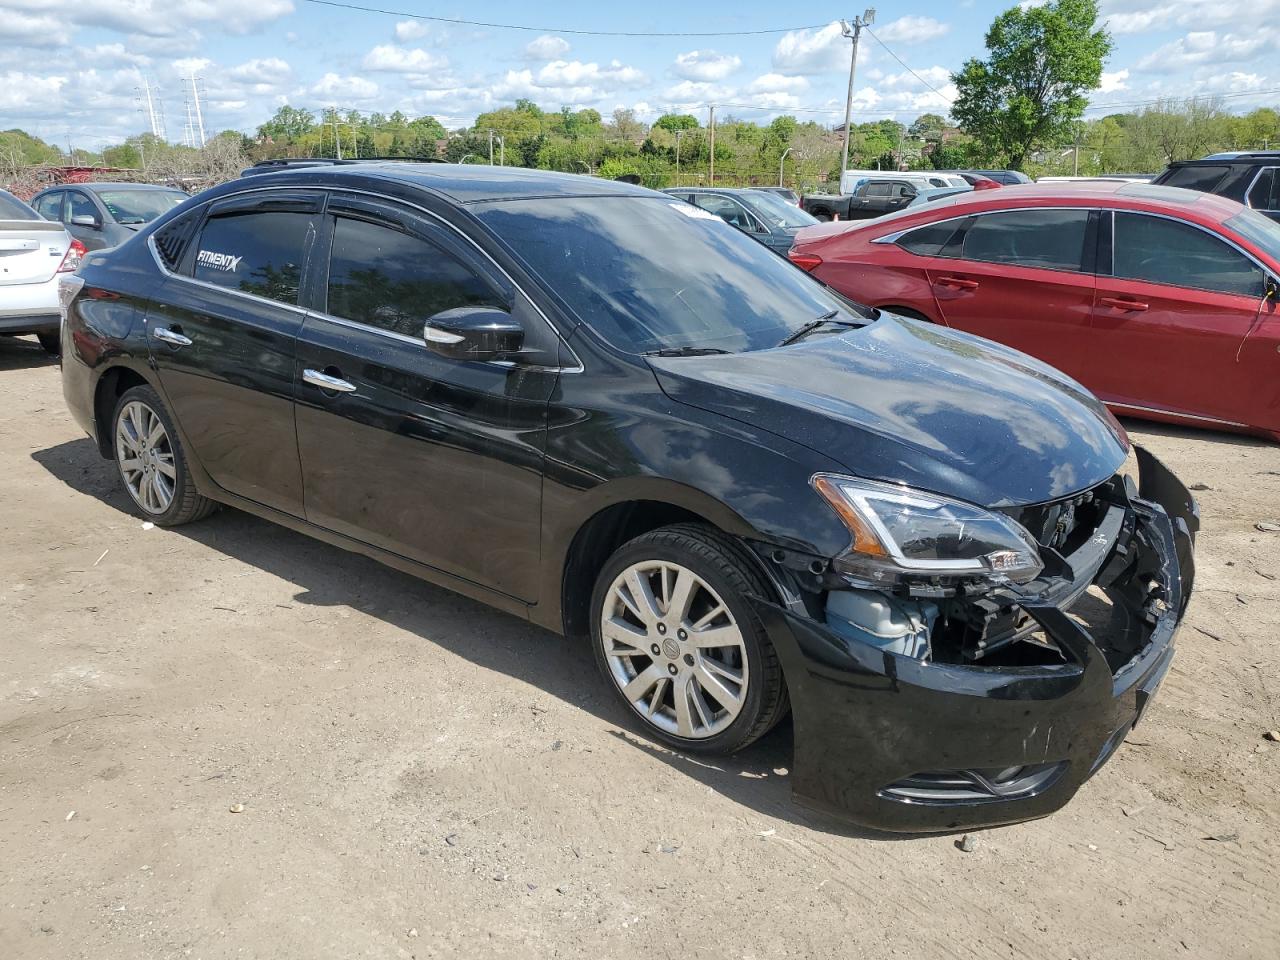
<point x="900" y="534"/>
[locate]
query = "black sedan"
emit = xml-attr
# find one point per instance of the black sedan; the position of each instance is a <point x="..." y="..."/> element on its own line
<point x="607" y="411"/>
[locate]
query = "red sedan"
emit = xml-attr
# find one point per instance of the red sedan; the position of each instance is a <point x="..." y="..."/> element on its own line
<point x="1161" y="301"/>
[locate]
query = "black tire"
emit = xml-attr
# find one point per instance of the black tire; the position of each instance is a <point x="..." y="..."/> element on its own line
<point x="823" y="216"/>
<point x="725" y="566"/>
<point x="187" y="504"/>
<point x="51" y="342"/>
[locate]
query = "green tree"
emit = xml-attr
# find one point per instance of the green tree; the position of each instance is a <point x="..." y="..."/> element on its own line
<point x="1031" y="88"/>
<point x="288" y="124"/>
<point x="676" y="121"/>
<point x="928" y="127"/>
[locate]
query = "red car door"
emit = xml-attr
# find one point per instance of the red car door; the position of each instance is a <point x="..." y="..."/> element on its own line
<point x="1172" y="320"/>
<point x="1023" y="278"/>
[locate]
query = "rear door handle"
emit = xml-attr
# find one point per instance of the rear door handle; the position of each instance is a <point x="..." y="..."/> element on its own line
<point x="1137" y="306"/>
<point x="171" y="337"/>
<point x="958" y="283"/>
<point x="326" y="382"/>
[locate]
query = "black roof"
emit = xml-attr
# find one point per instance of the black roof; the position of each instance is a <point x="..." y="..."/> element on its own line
<point x="471" y="183"/>
<point x="1216" y="160"/>
<point x="98" y="185"/>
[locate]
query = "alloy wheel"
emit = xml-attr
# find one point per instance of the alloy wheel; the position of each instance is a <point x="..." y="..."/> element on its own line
<point x="145" y="455"/>
<point x="674" y="649"/>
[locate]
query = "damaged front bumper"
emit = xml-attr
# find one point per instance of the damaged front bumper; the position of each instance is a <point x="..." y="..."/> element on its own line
<point x="907" y="744"/>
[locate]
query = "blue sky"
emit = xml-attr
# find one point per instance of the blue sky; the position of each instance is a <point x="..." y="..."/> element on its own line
<point x="75" y="68"/>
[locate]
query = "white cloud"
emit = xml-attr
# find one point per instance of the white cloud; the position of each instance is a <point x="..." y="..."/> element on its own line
<point x="812" y="51"/>
<point x="402" y="59"/>
<point x="344" y="90"/>
<point x="33" y="30"/>
<point x="27" y="94"/>
<point x="1111" y="82"/>
<point x="407" y="30"/>
<point x="696" y="93"/>
<point x="777" y="83"/>
<point x="1208" y="46"/>
<point x="546" y="47"/>
<point x="909" y="30"/>
<point x="111" y="55"/>
<point x="562" y="73"/>
<point x="705" y="65"/>
<point x="1143" y="16"/>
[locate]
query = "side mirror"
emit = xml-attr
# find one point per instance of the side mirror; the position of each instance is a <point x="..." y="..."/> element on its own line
<point x="474" y="333"/>
<point x="1271" y="289"/>
<point x="86" y="220"/>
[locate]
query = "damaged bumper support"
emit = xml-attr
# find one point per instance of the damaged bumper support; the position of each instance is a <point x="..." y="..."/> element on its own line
<point x="908" y="744"/>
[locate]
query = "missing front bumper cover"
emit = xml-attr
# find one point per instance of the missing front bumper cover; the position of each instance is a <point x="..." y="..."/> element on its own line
<point x="907" y="744"/>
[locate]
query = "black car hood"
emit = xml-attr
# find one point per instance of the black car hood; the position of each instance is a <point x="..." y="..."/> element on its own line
<point x="914" y="403"/>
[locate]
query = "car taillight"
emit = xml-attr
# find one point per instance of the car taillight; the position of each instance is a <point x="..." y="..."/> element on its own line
<point x="805" y="261"/>
<point x="71" y="262"/>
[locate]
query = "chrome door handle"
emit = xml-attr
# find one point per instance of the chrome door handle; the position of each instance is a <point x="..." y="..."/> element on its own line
<point x="171" y="336"/>
<point x="326" y="382"/>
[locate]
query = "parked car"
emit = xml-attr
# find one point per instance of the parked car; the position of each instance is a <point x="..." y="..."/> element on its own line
<point x="1250" y="178"/>
<point x="34" y="254"/>
<point x="752" y="494"/>
<point x="923" y="178"/>
<point x="102" y="215"/>
<point x="1008" y="178"/>
<point x="873" y="198"/>
<point x="1159" y="300"/>
<point x="758" y="213"/>
<point x="786" y="193"/>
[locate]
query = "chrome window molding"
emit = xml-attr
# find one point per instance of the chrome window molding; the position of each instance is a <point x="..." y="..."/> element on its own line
<point x="1253" y="183"/>
<point x="577" y="366"/>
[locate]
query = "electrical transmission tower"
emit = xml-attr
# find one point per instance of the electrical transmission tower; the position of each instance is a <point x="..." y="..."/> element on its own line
<point x="193" y="131"/>
<point x="151" y="107"/>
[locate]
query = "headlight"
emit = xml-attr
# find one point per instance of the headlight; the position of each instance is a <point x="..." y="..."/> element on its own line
<point x="900" y="533"/>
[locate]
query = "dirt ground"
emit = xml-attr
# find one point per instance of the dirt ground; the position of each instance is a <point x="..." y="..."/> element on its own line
<point x="424" y="777"/>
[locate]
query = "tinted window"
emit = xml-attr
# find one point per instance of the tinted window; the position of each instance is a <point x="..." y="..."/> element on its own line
<point x="384" y="278"/>
<point x="80" y="206"/>
<point x="636" y="269"/>
<point x="928" y="241"/>
<point x="1178" y="254"/>
<point x="1261" y="231"/>
<point x="1194" y="178"/>
<point x="50" y="205"/>
<point x="1265" y="193"/>
<point x="171" y="239"/>
<point x="259" y="253"/>
<point x="1053" y="239"/>
<point x="878" y="189"/>
<point x="724" y="208"/>
<point x="11" y="208"/>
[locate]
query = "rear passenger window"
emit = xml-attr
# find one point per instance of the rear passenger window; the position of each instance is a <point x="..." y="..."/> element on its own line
<point x="259" y="253"/>
<point x="1180" y="255"/>
<point x="384" y="278"/>
<point x="928" y="241"/>
<point x="1265" y="192"/>
<point x="50" y="206"/>
<point x="171" y="239"/>
<point x="1195" y="178"/>
<point x="1051" y="239"/>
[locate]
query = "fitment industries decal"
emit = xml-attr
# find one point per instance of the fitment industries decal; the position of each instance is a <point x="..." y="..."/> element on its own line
<point x="217" y="261"/>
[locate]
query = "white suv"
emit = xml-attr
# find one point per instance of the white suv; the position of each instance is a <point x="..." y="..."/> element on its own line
<point x="34" y="253"/>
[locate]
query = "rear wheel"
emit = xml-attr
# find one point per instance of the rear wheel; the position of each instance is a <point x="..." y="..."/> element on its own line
<point x="678" y="641"/>
<point x="151" y="462"/>
<point x="823" y="216"/>
<point x="51" y="343"/>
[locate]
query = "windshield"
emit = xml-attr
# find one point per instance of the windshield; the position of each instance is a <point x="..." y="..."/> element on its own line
<point x="659" y="274"/>
<point x="1261" y="231"/>
<point x="11" y="208"/>
<point x="776" y="211"/>
<point x="139" y="206"/>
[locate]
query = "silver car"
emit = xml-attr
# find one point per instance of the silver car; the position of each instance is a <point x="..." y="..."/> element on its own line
<point x="34" y="253"/>
<point x="102" y="215"/>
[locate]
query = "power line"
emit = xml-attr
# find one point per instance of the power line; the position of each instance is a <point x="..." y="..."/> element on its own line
<point x="582" y="33"/>
<point x="1203" y="95"/>
<point x="903" y="63"/>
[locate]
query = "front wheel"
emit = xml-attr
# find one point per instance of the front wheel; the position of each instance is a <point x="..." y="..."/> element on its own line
<point x="678" y="641"/>
<point x="151" y="462"/>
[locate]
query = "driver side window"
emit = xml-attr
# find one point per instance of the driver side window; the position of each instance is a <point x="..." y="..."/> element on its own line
<point x="385" y="278"/>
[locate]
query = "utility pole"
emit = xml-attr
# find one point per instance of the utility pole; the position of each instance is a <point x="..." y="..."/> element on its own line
<point x="781" y="160"/>
<point x="337" y="144"/>
<point x="711" y="179"/>
<point x="853" y="31"/>
<point x="195" y="96"/>
<point x="491" y="148"/>
<point x="679" y="134"/>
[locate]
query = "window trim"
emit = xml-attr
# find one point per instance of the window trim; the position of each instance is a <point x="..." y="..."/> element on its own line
<point x="1254" y="182"/>
<point x="1266" y="271"/>
<point x="976" y="215"/>
<point x="325" y="190"/>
